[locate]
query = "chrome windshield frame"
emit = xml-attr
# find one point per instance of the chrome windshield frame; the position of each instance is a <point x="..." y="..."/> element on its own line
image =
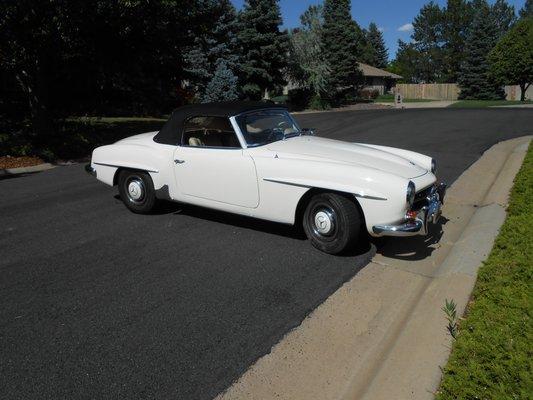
<point x="240" y="134"/>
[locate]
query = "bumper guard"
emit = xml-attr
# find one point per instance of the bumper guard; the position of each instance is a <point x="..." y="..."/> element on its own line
<point x="419" y="225"/>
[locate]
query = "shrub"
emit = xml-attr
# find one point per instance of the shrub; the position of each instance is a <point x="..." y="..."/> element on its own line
<point x="319" y="103"/>
<point x="368" y="94"/>
<point x="299" y="98"/>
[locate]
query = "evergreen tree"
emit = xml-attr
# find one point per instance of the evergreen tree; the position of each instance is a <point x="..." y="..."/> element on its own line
<point x="504" y="16"/>
<point x="222" y="86"/>
<point x="214" y="44"/>
<point x="406" y="61"/>
<point x="458" y="16"/>
<point x="340" y="47"/>
<point x="263" y="47"/>
<point x="475" y="79"/>
<point x="527" y="10"/>
<point x="377" y="54"/>
<point x="428" y="41"/>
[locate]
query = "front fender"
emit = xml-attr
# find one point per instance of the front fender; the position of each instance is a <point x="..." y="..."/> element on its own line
<point x="381" y="195"/>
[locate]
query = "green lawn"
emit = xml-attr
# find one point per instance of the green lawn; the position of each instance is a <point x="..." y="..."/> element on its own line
<point x="492" y="357"/>
<point x="389" y="98"/>
<point x="486" y="103"/>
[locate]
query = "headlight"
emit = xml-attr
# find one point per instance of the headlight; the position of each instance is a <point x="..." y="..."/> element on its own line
<point x="410" y="197"/>
<point x="433" y="166"/>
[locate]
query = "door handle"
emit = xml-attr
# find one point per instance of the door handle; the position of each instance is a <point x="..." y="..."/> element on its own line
<point x="179" y="161"/>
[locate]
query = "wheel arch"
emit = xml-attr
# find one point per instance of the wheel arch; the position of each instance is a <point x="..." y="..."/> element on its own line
<point x="304" y="200"/>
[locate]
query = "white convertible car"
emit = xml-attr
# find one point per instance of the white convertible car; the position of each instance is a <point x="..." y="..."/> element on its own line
<point x="252" y="158"/>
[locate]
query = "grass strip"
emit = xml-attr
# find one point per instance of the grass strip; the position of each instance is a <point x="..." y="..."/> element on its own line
<point x="492" y="357"/>
<point x="487" y="103"/>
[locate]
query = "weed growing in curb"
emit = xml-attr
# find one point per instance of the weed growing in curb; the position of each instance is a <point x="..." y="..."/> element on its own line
<point x="450" y="309"/>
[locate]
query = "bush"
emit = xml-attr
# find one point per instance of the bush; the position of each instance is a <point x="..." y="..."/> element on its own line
<point x="283" y="99"/>
<point x="368" y="94"/>
<point x="299" y="99"/>
<point x="319" y="103"/>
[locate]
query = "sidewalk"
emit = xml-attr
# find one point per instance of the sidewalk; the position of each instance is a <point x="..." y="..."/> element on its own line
<point x="422" y="104"/>
<point x="383" y="335"/>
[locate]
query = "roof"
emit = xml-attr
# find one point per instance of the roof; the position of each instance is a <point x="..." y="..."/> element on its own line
<point x="369" y="70"/>
<point x="171" y="131"/>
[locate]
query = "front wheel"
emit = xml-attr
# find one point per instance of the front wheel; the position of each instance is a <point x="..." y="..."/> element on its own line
<point x="137" y="191"/>
<point x="332" y="222"/>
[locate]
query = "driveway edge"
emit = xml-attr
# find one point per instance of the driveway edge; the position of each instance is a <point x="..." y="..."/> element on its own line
<point x="25" y="170"/>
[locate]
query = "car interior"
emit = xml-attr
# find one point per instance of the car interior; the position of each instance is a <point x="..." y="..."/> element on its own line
<point x="209" y="132"/>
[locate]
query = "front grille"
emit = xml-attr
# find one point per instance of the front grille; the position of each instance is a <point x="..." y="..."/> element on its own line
<point x="421" y="197"/>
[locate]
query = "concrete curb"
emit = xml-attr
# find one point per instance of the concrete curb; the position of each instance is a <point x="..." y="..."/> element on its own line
<point x="383" y="335"/>
<point x="26" y="170"/>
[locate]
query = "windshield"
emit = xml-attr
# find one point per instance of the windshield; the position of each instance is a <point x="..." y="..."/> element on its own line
<point x="266" y="126"/>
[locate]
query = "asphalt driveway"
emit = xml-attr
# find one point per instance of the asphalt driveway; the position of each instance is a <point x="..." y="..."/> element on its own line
<point x="98" y="302"/>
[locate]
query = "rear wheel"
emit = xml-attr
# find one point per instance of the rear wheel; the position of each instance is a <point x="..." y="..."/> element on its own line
<point x="137" y="191"/>
<point x="332" y="222"/>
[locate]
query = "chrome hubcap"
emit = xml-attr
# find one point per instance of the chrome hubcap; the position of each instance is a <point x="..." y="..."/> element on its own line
<point x="135" y="190"/>
<point x="323" y="222"/>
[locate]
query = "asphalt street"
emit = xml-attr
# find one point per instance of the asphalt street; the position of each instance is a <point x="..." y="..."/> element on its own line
<point x="97" y="302"/>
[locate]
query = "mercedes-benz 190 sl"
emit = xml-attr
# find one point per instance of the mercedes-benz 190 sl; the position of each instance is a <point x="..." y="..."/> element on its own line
<point x="252" y="158"/>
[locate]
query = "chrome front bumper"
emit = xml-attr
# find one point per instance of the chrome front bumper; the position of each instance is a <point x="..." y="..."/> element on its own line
<point x="417" y="222"/>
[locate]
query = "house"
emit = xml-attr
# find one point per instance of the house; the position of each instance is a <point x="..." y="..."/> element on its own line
<point x="378" y="79"/>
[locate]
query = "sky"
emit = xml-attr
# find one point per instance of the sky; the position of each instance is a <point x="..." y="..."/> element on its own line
<point x="393" y="17"/>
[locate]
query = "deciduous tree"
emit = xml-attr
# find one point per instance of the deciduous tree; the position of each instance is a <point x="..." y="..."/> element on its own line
<point x="512" y="58"/>
<point x="307" y="65"/>
<point x="527" y="10"/>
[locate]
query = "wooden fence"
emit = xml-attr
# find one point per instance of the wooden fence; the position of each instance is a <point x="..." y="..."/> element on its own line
<point x="430" y="91"/>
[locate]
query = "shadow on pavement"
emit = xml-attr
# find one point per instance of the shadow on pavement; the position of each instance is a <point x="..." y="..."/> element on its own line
<point x="412" y="248"/>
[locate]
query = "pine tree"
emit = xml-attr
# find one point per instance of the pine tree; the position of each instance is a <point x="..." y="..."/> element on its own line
<point x="377" y="54"/>
<point x="475" y="79"/>
<point x="340" y="46"/>
<point x="527" y="10"/>
<point x="427" y="37"/>
<point x="458" y="16"/>
<point x="216" y="43"/>
<point x="222" y="86"/>
<point x="263" y="47"/>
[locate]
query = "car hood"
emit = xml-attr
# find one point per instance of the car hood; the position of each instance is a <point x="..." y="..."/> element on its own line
<point x="321" y="149"/>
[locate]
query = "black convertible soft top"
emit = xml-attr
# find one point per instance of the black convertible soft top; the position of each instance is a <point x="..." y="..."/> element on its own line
<point x="171" y="131"/>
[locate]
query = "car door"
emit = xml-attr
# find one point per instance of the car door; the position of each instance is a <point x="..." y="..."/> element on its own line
<point x="210" y="164"/>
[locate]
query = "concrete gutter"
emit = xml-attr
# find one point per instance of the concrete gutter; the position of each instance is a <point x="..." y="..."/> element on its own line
<point x="25" y="170"/>
<point x="383" y="335"/>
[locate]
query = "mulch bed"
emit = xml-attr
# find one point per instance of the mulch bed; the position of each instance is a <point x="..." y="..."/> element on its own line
<point x="7" y="162"/>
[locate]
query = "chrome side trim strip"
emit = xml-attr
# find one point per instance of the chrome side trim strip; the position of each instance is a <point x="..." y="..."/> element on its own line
<point x="364" y="196"/>
<point x="124" y="166"/>
<point x="285" y="183"/>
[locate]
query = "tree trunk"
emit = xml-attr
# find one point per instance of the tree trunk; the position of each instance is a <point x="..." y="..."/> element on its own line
<point x="522" y="92"/>
<point x="41" y="121"/>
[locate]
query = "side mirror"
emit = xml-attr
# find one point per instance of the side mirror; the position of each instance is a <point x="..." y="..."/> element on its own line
<point x="308" y="131"/>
